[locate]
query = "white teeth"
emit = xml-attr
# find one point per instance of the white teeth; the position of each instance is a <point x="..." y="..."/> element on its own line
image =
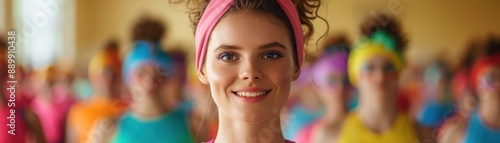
<point x="250" y="94"/>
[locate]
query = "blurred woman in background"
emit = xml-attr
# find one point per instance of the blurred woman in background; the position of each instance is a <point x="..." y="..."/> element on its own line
<point x="147" y="71"/>
<point x="174" y="93"/>
<point x="104" y="72"/>
<point x="303" y="105"/>
<point x="483" y="124"/>
<point x="436" y="101"/>
<point x="50" y="104"/>
<point x="329" y="76"/>
<point x="374" y="66"/>
<point x="462" y="91"/>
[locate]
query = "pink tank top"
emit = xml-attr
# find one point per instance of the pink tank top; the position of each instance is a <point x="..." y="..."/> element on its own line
<point x="12" y="124"/>
<point x="305" y="135"/>
<point x="52" y="116"/>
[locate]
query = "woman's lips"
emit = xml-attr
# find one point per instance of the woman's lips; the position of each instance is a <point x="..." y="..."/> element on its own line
<point x="251" y="95"/>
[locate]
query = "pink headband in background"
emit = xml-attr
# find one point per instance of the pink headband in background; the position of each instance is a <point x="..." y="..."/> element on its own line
<point x="333" y="62"/>
<point x="217" y="8"/>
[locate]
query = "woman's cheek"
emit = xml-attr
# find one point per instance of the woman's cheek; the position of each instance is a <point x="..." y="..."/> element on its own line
<point x="364" y="78"/>
<point x="284" y="84"/>
<point x="220" y="76"/>
<point x="217" y="75"/>
<point x="489" y="90"/>
<point x="392" y="78"/>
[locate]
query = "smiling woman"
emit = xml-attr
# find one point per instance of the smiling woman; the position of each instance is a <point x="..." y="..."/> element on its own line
<point x="249" y="52"/>
<point x="250" y="69"/>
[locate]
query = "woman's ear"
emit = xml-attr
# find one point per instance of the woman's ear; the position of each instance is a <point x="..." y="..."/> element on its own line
<point x="202" y="76"/>
<point x="296" y="73"/>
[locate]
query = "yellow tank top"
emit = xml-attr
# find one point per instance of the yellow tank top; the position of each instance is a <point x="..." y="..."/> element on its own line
<point x="354" y="131"/>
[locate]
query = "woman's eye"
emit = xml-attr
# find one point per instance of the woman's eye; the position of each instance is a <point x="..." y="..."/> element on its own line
<point x="331" y="81"/>
<point x="489" y="78"/>
<point x="389" y="68"/>
<point x="228" y="56"/>
<point x="367" y="67"/>
<point x="272" y="55"/>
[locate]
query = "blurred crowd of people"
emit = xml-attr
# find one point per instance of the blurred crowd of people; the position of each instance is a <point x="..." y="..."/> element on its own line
<point x="152" y="95"/>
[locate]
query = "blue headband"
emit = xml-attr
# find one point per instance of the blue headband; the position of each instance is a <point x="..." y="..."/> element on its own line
<point x="143" y="53"/>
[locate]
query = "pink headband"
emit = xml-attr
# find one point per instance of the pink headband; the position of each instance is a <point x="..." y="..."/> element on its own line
<point x="217" y="8"/>
<point x="328" y="63"/>
<point x="480" y="64"/>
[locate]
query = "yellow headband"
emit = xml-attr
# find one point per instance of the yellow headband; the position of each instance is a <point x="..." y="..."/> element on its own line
<point x="102" y="59"/>
<point x="45" y="75"/>
<point x="363" y="51"/>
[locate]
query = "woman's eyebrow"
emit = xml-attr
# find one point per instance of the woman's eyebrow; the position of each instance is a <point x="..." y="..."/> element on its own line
<point x="227" y="47"/>
<point x="266" y="46"/>
<point x="273" y="44"/>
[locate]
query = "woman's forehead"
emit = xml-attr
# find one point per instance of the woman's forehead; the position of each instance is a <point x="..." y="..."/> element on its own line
<point x="249" y="29"/>
<point x="491" y="69"/>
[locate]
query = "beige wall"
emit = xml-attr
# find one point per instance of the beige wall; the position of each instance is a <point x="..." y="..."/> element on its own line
<point x="99" y="20"/>
<point x="448" y="25"/>
<point x="7" y="15"/>
<point x="432" y="26"/>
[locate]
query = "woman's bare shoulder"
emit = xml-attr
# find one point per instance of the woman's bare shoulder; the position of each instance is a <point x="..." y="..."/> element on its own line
<point x="103" y="130"/>
<point x="452" y="130"/>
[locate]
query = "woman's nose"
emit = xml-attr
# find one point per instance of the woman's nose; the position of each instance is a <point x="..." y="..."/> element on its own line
<point x="250" y="71"/>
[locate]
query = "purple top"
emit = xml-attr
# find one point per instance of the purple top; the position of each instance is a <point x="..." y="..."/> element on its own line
<point x="286" y="141"/>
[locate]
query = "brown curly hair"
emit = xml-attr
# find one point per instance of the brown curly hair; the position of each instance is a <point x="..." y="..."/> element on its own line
<point x="480" y="47"/>
<point x="307" y="10"/>
<point x="492" y="45"/>
<point x="333" y="40"/>
<point x="148" y="29"/>
<point x="3" y="44"/>
<point x="391" y="26"/>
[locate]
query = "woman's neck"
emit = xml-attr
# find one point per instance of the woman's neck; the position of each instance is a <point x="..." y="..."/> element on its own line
<point x="231" y="130"/>
<point x="105" y="93"/>
<point x="377" y="116"/>
<point x="46" y="96"/>
<point x="334" y="114"/>
<point x="490" y="113"/>
<point x="147" y="106"/>
<point x="308" y="102"/>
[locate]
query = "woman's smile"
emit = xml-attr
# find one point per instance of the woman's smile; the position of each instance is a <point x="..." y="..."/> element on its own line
<point x="251" y="95"/>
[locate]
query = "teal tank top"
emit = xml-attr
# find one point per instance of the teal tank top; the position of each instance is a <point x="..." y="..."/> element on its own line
<point x="478" y="132"/>
<point x="170" y="128"/>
